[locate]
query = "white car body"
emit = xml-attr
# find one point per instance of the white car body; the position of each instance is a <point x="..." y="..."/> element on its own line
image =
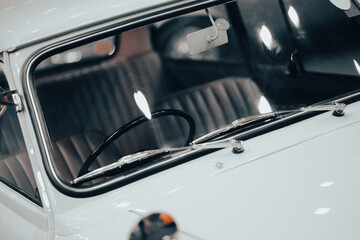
<point x="297" y="182"/>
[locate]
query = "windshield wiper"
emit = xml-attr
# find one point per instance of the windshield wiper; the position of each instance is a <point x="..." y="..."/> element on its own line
<point x="237" y="146"/>
<point x="337" y="108"/>
<point x="200" y="143"/>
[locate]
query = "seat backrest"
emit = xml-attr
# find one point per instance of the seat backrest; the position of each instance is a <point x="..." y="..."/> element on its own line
<point x="101" y="96"/>
<point x="72" y="151"/>
<point x="216" y="104"/>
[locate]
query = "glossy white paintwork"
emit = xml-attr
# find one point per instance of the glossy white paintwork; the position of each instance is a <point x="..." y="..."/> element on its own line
<point x="24" y="21"/>
<point x="299" y="182"/>
<point x="20" y="218"/>
<point x="272" y="190"/>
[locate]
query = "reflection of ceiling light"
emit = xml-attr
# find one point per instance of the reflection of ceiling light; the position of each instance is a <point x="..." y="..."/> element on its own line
<point x="342" y="4"/>
<point x="294" y="17"/>
<point x="264" y="106"/>
<point x="104" y="47"/>
<point x="322" y="211"/>
<point x="55" y="59"/>
<point x="71" y="57"/>
<point x="266" y="37"/>
<point x="142" y="103"/>
<point x="357" y="66"/>
<point x="326" y="184"/>
<point x="183" y="47"/>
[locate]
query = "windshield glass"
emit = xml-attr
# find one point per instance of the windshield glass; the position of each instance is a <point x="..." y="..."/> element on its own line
<point x="211" y="66"/>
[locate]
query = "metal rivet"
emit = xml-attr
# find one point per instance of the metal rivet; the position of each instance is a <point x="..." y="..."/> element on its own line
<point x="219" y="165"/>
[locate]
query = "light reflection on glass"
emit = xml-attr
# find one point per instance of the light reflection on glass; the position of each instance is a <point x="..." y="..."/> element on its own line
<point x="322" y="211"/>
<point x="266" y="37"/>
<point x="326" y="184"/>
<point x="142" y="104"/>
<point x="183" y="48"/>
<point x="341" y="4"/>
<point x="294" y="17"/>
<point x="264" y="106"/>
<point x="71" y="57"/>
<point x="357" y="66"/>
<point x="55" y="59"/>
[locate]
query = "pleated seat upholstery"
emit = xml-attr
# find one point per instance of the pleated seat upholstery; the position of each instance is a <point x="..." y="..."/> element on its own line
<point x="100" y="98"/>
<point x="72" y="151"/>
<point x="216" y="104"/>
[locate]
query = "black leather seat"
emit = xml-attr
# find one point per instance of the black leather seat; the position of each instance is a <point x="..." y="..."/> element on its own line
<point x="72" y="151"/>
<point x="216" y="104"/>
<point x="100" y="98"/>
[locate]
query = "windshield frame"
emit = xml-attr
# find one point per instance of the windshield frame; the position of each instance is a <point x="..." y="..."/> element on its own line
<point x="124" y="23"/>
<point x="102" y="32"/>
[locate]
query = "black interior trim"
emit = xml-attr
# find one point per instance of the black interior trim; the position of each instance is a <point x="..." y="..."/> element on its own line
<point x="36" y="199"/>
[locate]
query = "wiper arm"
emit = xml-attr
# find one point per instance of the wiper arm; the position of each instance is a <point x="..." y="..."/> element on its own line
<point x="237" y="146"/>
<point x="338" y="110"/>
<point x="200" y="143"/>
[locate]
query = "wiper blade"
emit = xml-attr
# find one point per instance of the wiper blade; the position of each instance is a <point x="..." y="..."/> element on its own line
<point x="200" y="143"/>
<point x="237" y="146"/>
<point x="337" y="108"/>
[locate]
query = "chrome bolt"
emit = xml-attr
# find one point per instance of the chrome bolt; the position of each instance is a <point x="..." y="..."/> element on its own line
<point x="238" y="146"/>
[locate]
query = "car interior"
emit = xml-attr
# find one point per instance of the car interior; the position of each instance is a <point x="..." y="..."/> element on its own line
<point x="15" y="168"/>
<point x="84" y="101"/>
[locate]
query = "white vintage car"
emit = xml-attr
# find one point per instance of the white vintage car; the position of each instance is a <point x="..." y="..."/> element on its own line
<point x="194" y="119"/>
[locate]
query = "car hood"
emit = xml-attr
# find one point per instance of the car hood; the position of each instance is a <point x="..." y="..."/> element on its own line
<point x="298" y="182"/>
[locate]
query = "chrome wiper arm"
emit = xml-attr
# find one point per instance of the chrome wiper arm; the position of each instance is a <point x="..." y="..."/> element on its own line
<point x="237" y="146"/>
<point x="337" y="108"/>
<point x="200" y="143"/>
<point x="235" y="124"/>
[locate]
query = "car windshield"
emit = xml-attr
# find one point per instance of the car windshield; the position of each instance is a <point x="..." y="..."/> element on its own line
<point x="165" y="84"/>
